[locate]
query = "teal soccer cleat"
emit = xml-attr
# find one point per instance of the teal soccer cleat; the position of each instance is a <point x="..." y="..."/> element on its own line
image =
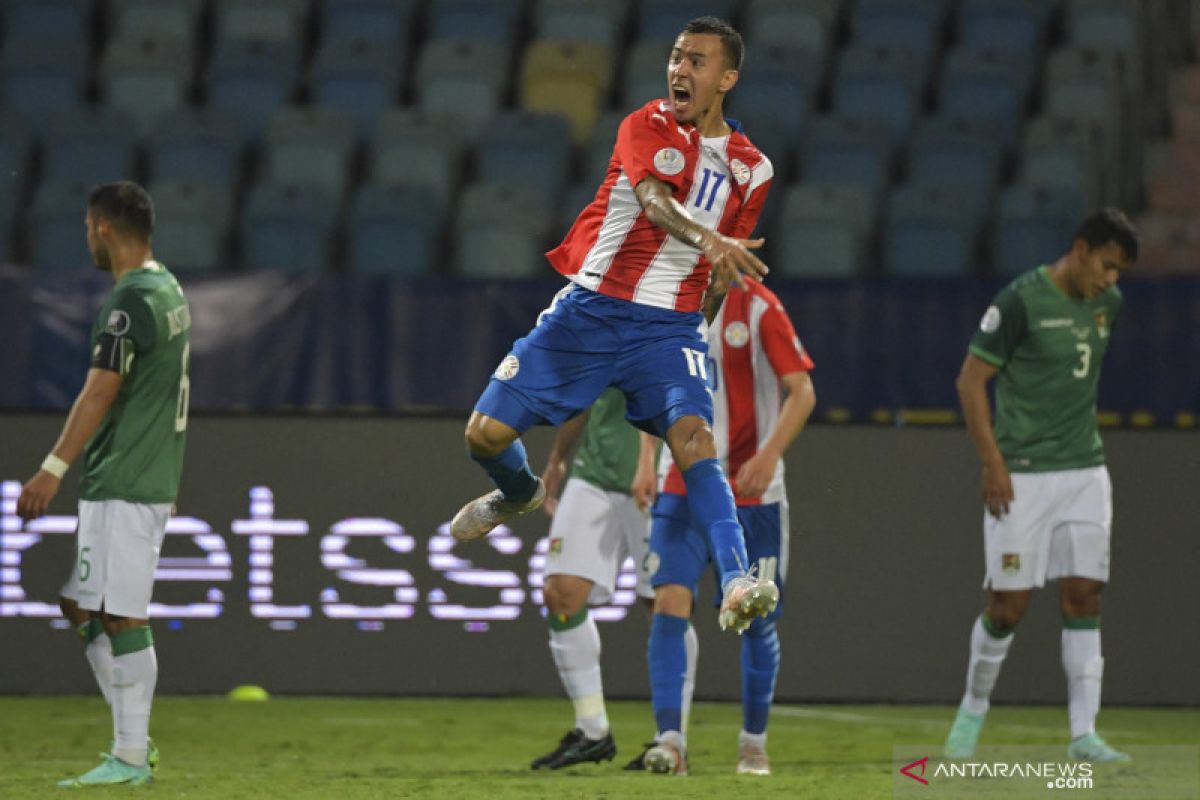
<point x="1090" y="747"/>
<point x="111" y="772"/>
<point x="964" y="735"/>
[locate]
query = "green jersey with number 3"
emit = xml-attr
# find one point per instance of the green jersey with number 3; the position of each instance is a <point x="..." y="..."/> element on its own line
<point x="608" y="456"/>
<point x="142" y="332"/>
<point x="1048" y="348"/>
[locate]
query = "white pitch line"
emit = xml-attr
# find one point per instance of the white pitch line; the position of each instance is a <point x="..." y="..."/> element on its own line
<point x="855" y="718"/>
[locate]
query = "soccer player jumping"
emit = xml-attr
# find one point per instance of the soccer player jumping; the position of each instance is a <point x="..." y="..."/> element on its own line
<point x="684" y="189"/>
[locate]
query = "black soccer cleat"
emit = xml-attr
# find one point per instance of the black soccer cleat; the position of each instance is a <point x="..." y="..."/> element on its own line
<point x="575" y="748"/>
<point x="639" y="762"/>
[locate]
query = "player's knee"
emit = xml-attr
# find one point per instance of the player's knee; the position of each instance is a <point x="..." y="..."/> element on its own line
<point x="673" y="600"/>
<point x="72" y="612"/>
<point x="562" y="598"/>
<point x="691" y="440"/>
<point x="1081" y="604"/>
<point x="1005" y="612"/>
<point x="486" y="437"/>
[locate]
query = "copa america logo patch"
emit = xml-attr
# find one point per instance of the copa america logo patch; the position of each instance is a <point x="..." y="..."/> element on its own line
<point x="741" y="173"/>
<point x="653" y="562"/>
<point x="991" y="320"/>
<point x="118" y="323"/>
<point x="508" y="368"/>
<point x="737" y="334"/>
<point x="669" y="161"/>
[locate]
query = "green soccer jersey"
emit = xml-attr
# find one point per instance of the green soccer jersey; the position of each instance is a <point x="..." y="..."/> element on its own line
<point x="142" y="332"/>
<point x="1048" y="348"/>
<point x="608" y="456"/>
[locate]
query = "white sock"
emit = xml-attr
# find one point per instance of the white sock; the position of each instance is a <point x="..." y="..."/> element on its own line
<point x="1085" y="670"/>
<point x="134" y="677"/>
<point x="691" y="643"/>
<point x="758" y="740"/>
<point x="100" y="655"/>
<point x="987" y="656"/>
<point x="577" y="655"/>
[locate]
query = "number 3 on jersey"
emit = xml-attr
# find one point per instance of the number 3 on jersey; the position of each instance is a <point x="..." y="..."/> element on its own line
<point x="1085" y="360"/>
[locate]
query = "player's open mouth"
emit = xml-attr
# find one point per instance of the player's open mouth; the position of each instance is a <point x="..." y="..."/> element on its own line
<point x="680" y="97"/>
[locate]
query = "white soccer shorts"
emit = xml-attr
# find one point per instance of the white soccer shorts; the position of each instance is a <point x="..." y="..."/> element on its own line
<point x="1058" y="525"/>
<point x="592" y="534"/>
<point x="117" y="548"/>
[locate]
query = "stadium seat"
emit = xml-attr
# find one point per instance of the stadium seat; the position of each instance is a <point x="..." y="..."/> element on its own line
<point x="1115" y="24"/>
<point x="767" y="133"/>
<point x="269" y="20"/>
<point x="55" y="225"/>
<point x="89" y="145"/>
<point x="145" y="76"/>
<point x="483" y="20"/>
<point x="501" y="231"/>
<point x="915" y="24"/>
<point x="32" y="20"/>
<point x="192" y="223"/>
<point x="955" y="150"/>
<point x="389" y="21"/>
<point x="664" y="19"/>
<point x="1018" y="25"/>
<point x="780" y="82"/>
<point x="596" y="22"/>
<point x="845" y="151"/>
<point x="598" y="152"/>
<point x="568" y="79"/>
<point x="823" y="230"/>
<point x="577" y="198"/>
<point x="42" y="77"/>
<point x="288" y="228"/>
<point x="251" y="78"/>
<point x="9" y="202"/>
<point x="14" y="179"/>
<point x="394" y="230"/>
<point x="171" y="19"/>
<point x="929" y="232"/>
<point x="882" y="84"/>
<point x="989" y="83"/>
<point x="524" y="149"/>
<point x="359" y="76"/>
<point x="412" y="148"/>
<point x="195" y="145"/>
<point x="309" y="146"/>
<point x="1065" y="154"/>
<point x="645" y="66"/>
<point x="465" y="79"/>
<point x="805" y="26"/>
<point x="1034" y="226"/>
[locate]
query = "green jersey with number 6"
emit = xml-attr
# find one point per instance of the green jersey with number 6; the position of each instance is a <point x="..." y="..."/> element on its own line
<point x="1048" y="348"/>
<point x="136" y="454"/>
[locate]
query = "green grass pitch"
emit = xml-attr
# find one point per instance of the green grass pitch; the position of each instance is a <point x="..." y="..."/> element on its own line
<point x="343" y="748"/>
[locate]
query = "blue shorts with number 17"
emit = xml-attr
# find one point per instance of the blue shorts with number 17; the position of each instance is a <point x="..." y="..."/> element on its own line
<point x="586" y="342"/>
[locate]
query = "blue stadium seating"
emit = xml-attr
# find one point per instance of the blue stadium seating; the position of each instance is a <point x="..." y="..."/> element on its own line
<point x="962" y="150"/>
<point x="465" y="79"/>
<point x="590" y="21"/>
<point x="1064" y="154"/>
<point x="195" y="145"/>
<point x="146" y="76"/>
<point x="486" y="20"/>
<point x="645" y="67"/>
<point x="90" y="145"/>
<point x="358" y="76"/>
<point x="664" y="19"/>
<point x="501" y="231"/>
<point x="846" y="151"/>
<point x="788" y="23"/>
<point x="1034" y="226"/>
<point x="192" y="223"/>
<point x="45" y="19"/>
<point x="55" y="225"/>
<point x="1010" y="24"/>
<point x="172" y="19"/>
<point x="988" y="83"/>
<point x="823" y="230"/>
<point x="930" y="232"/>
<point x="882" y="84"/>
<point x="42" y="77"/>
<point x="777" y="81"/>
<point x="309" y="146"/>
<point x="251" y="78"/>
<point x="388" y="21"/>
<point x="288" y="228"/>
<point x="394" y="229"/>
<point x="526" y="149"/>
<point x="269" y="20"/>
<point x="412" y="148"/>
<point x="913" y="24"/>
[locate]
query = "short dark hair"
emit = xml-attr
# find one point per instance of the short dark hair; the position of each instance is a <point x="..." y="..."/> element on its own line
<point x="126" y="205"/>
<point x="731" y="40"/>
<point x="1109" y="225"/>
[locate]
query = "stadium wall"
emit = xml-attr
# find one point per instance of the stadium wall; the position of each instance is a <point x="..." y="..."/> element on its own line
<point x="346" y="586"/>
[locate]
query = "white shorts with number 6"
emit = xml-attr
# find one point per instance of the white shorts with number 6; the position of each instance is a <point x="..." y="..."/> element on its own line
<point x="1058" y="525"/>
<point x="117" y="547"/>
<point x="592" y="533"/>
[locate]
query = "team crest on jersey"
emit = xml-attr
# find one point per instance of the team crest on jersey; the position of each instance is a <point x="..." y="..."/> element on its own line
<point x="741" y="173"/>
<point x="508" y="368"/>
<point x="1010" y="562"/>
<point x="737" y="334"/>
<point x="652" y="563"/>
<point x="556" y="546"/>
<point x="991" y="320"/>
<point x="1102" y="324"/>
<point x="669" y="161"/>
<point x="118" y="323"/>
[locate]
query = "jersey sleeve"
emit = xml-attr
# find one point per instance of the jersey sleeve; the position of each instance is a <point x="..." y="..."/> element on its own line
<point x="128" y="331"/>
<point x="646" y="146"/>
<point x="761" y="179"/>
<point x="1001" y="329"/>
<point x="780" y="342"/>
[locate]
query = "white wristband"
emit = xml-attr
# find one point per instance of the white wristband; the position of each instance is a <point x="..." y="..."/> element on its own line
<point x="55" y="466"/>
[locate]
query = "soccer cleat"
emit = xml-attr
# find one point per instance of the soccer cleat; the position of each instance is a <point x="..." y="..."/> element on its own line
<point x="638" y="764"/>
<point x="747" y="597"/>
<point x="666" y="757"/>
<point x="752" y="760"/>
<point x="112" y="771"/>
<point x="477" y="518"/>
<point x="575" y="748"/>
<point x="964" y="734"/>
<point x="1090" y="747"/>
<point x="152" y="755"/>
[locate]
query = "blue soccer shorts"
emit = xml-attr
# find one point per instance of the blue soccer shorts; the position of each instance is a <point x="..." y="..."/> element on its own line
<point x="680" y="553"/>
<point x="584" y="343"/>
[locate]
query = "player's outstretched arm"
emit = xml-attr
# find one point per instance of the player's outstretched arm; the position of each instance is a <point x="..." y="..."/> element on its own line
<point x="566" y="441"/>
<point x="756" y="473"/>
<point x="728" y="256"/>
<point x="977" y="412"/>
<point x="90" y="407"/>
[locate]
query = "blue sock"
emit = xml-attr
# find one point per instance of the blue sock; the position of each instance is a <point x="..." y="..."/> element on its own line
<point x="666" y="656"/>
<point x="711" y="503"/>
<point x="510" y="472"/>
<point x="760" y="666"/>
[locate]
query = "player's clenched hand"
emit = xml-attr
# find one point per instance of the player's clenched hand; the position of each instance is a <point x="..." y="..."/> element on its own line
<point x="645" y="485"/>
<point x="997" y="488"/>
<point x="36" y="495"/>
<point x="732" y="259"/>
<point x="755" y="475"/>
<point x="553" y="476"/>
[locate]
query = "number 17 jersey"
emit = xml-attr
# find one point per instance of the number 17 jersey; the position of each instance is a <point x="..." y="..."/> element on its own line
<point x="1048" y="348"/>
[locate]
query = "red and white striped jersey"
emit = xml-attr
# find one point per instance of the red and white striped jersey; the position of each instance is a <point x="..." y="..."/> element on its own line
<point x="751" y="344"/>
<point x="614" y="250"/>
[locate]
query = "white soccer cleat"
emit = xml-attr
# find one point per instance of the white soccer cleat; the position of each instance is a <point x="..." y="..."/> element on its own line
<point x="747" y="597"/>
<point x="752" y="760"/>
<point x="667" y="757"/>
<point x="477" y="518"/>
